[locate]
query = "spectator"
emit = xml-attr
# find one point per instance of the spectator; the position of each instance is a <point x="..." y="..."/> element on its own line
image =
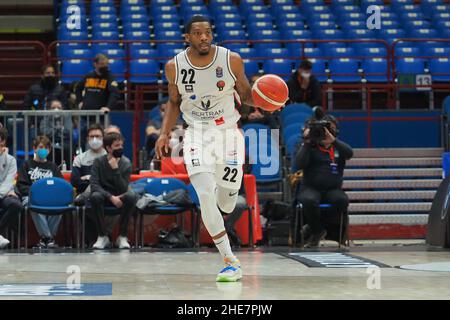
<point x="82" y="165"/>
<point x="323" y="169"/>
<point x="2" y="102"/>
<point x="304" y="87"/>
<point x="113" y="129"/>
<point x="47" y="89"/>
<point x="9" y="200"/>
<point x="110" y="177"/>
<point x="31" y="171"/>
<point x="98" y="90"/>
<point x="256" y="115"/>
<point x="59" y="127"/>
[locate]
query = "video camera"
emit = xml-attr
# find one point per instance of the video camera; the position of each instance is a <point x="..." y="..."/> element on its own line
<point x="317" y="124"/>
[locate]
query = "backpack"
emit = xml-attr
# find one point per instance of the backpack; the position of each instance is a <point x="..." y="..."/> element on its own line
<point x="175" y="238"/>
<point x="277" y="210"/>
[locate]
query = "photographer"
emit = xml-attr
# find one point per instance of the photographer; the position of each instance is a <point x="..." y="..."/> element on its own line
<point x="322" y="158"/>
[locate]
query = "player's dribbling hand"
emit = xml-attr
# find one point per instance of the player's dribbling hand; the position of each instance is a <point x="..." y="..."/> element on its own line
<point x="162" y="145"/>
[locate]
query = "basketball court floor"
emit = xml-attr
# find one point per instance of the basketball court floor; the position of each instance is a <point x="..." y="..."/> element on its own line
<point x="366" y="271"/>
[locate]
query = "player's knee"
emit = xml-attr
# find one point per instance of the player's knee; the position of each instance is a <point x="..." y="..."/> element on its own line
<point x="228" y="205"/>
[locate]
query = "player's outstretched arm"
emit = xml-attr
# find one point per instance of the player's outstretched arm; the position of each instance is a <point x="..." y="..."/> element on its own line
<point x="242" y="84"/>
<point x="171" y="113"/>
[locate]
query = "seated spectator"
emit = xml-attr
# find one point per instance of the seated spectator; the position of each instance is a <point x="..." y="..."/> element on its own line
<point x="323" y="165"/>
<point x="9" y="200"/>
<point x="110" y="178"/>
<point x="46" y="90"/>
<point x="304" y="86"/>
<point x="31" y="171"/>
<point x="82" y="165"/>
<point x="257" y="115"/>
<point x="59" y="127"/>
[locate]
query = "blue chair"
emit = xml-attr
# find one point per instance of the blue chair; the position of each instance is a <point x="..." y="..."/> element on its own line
<point x="293" y="128"/>
<point x="167" y="26"/>
<point x="351" y="16"/>
<point x="104" y="18"/>
<point x="51" y="196"/>
<point x="224" y="9"/>
<point x="254" y="17"/>
<point x="285" y="25"/>
<point x="102" y="47"/>
<point x="103" y="10"/>
<point x="276" y="53"/>
<point x="339" y="52"/>
<point x="66" y="35"/>
<point x="80" y="54"/>
<point x="167" y="50"/>
<point x="411" y="52"/>
<point x="375" y="69"/>
<point x="360" y="34"/>
<point x="64" y="50"/>
<point x="105" y="27"/>
<point x="409" y="66"/>
<point x="255" y="9"/>
<point x="127" y="3"/>
<point x="138" y="53"/>
<point x="353" y="24"/>
<point x="280" y="67"/>
<point x="296" y="35"/>
<point x="227" y="17"/>
<point x="170" y="9"/>
<point x="169" y="35"/>
<point x="437" y="52"/>
<point x="440" y="69"/>
<point x="231" y="35"/>
<point x="144" y="71"/>
<point x="367" y="52"/>
<point x="129" y="10"/>
<point x="105" y="35"/>
<point x="157" y="187"/>
<point x="417" y="24"/>
<point x="137" y="35"/>
<point x="171" y="17"/>
<point x="246" y="53"/>
<point x="390" y="35"/>
<point x="320" y="25"/>
<point x="74" y="70"/>
<point x="135" y="26"/>
<point x="144" y="18"/>
<point x="118" y="69"/>
<point x="259" y="25"/>
<point x="411" y="16"/>
<point x="289" y="17"/>
<point x="423" y="33"/>
<point x="297" y="117"/>
<point x="390" y="24"/>
<point x="344" y="70"/>
<point x="291" y="143"/>
<point x="318" y="69"/>
<point x="310" y="53"/>
<point x="251" y="67"/>
<point x="329" y="34"/>
<point x="292" y="108"/>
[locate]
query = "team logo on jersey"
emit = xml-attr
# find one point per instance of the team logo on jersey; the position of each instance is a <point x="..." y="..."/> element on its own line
<point x="220" y="84"/>
<point x="219" y="72"/>
<point x="189" y="88"/>
<point x="206" y="106"/>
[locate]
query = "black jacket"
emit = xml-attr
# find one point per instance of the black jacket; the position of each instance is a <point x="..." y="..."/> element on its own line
<point x="110" y="181"/>
<point x="39" y="96"/>
<point x="311" y="96"/>
<point x="99" y="92"/>
<point x="316" y="165"/>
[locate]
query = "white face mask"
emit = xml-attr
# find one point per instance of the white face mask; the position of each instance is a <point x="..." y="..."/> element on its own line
<point x="173" y="142"/>
<point x="95" y="143"/>
<point x="306" y="75"/>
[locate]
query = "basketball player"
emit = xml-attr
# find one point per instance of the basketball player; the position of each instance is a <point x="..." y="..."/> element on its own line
<point x="205" y="83"/>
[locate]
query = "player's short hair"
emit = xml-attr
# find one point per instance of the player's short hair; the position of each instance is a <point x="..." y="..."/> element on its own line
<point x="305" y="65"/>
<point x="194" y="19"/>
<point x="109" y="139"/>
<point x="44" y="140"/>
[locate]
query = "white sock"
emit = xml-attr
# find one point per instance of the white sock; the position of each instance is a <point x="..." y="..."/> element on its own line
<point x="223" y="244"/>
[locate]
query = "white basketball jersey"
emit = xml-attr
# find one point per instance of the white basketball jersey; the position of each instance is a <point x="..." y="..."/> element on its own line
<point x="207" y="93"/>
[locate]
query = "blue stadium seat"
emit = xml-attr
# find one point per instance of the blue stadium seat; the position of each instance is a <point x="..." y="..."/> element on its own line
<point x="187" y="13"/>
<point x="417" y="24"/>
<point x="352" y="16"/>
<point x="251" y="67"/>
<point x="103" y="10"/>
<point x="247" y="5"/>
<point x="144" y="18"/>
<point x="327" y="46"/>
<point x="275" y="53"/>
<point x="296" y="118"/>
<point x="289" y="17"/>
<point x="135" y="26"/>
<point x="130" y="10"/>
<point x="166" y="9"/>
<point x="281" y="2"/>
<point x="231" y="35"/>
<point x="442" y="25"/>
<point x="167" y="50"/>
<point x="263" y="46"/>
<point x="355" y="34"/>
<point x="246" y="53"/>
<point x="166" y="18"/>
<point x="137" y="53"/>
<point x="320" y="16"/>
<point x="220" y="2"/>
<point x="412" y="16"/>
<point x="259" y="25"/>
<point x="440" y="69"/>
<point x="353" y="24"/>
<point x="406" y="8"/>
<point x="102" y="3"/>
<point x="374" y="52"/>
<point x="224" y="9"/>
<point x="423" y="33"/>
<point x="127" y="3"/>
<point x="104" y="18"/>
<point x="229" y="25"/>
<point x="442" y="52"/>
<point x="105" y="35"/>
<point x="167" y="26"/>
<point x="280" y="10"/>
<point x="390" y="35"/>
<point x="375" y="69"/>
<point x="321" y="9"/>
<point x="291" y="25"/>
<point x="344" y="70"/>
<point x="101" y="47"/>
<point x="227" y="17"/>
<point x="118" y="69"/>
<point x="406" y="51"/>
<point x="265" y="34"/>
<point x="297" y="35"/>
<point x="409" y="65"/>
<point x="137" y="35"/>
<point x="329" y="34"/>
<point x="161" y="3"/>
<point x="190" y="3"/>
<point x="115" y="53"/>
<point x="336" y="4"/>
<point x="144" y="71"/>
<point x="311" y="52"/>
<point x="367" y="3"/>
<point x="169" y="35"/>
<point x="80" y="54"/>
<point x="73" y="35"/>
<point x="318" y="26"/>
<point x="390" y="24"/>
<point x="430" y="6"/>
<point x="105" y="26"/>
<point x="339" y="52"/>
<point x="292" y="129"/>
<point x="280" y="67"/>
<point x="64" y="49"/>
<point x="75" y="70"/>
<point x="291" y="143"/>
<point x="253" y="17"/>
<point x="288" y="111"/>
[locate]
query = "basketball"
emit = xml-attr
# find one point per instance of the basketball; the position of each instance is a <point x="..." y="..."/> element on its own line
<point x="270" y="92"/>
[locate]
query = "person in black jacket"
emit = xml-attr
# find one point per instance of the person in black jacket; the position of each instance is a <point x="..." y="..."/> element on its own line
<point x="323" y="170"/>
<point x="110" y="178"/>
<point x="31" y="171"/>
<point x="46" y="90"/>
<point x="304" y="87"/>
<point x="98" y="90"/>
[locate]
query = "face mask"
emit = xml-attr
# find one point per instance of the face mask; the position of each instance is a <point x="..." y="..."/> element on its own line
<point x="103" y="71"/>
<point x="42" y="153"/>
<point x="306" y="75"/>
<point x="95" y="143"/>
<point x="173" y="143"/>
<point x="50" y="81"/>
<point x="117" y="153"/>
<point x="57" y="116"/>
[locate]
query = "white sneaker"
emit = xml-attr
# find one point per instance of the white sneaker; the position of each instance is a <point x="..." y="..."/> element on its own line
<point x="232" y="271"/>
<point x="102" y="243"/>
<point x="3" y="242"/>
<point x="122" y="243"/>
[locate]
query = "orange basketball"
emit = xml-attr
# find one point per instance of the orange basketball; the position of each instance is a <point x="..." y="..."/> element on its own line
<point x="270" y="92"/>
